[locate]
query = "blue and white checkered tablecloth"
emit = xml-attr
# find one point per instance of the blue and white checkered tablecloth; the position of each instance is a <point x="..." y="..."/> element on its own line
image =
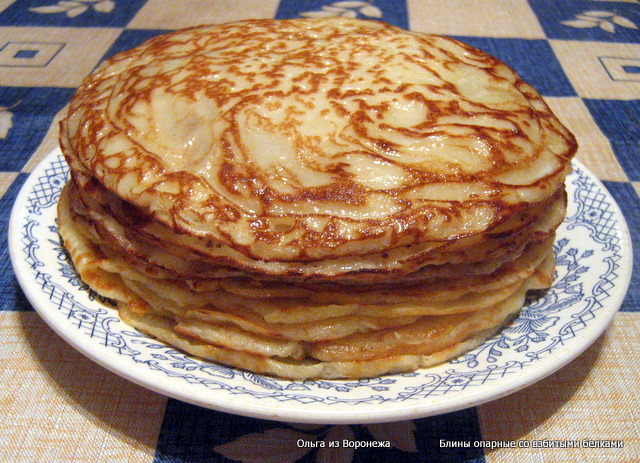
<point x="583" y="56"/>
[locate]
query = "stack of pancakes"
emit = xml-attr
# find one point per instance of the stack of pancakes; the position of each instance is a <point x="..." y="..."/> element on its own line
<point x="313" y="198"/>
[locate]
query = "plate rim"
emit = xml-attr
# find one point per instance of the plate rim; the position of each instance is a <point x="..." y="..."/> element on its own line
<point x="256" y="409"/>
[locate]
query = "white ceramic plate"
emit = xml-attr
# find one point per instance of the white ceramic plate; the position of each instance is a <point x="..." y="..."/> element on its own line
<point x="593" y="252"/>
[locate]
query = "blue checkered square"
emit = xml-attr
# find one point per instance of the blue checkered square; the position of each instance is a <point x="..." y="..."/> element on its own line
<point x="589" y="20"/>
<point x="619" y="121"/>
<point x="548" y="77"/>
<point x="394" y="13"/>
<point x="194" y="434"/>
<point x="60" y="13"/>
<point x="462" y="427"/>
<point x="26" y="115"/>
<point x="11" y="296"/>
<point x="627" y="198"/>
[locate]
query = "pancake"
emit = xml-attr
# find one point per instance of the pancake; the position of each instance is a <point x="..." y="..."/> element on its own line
<point x="114" y="221"/>
<point x="392" y="344"/>
<point x="310" y="139"/>
<point x="313" y="198"/>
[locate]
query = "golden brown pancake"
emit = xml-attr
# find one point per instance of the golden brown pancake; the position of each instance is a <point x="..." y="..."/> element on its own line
<point x="309" y="139"/>
<point x="313" y="198"/>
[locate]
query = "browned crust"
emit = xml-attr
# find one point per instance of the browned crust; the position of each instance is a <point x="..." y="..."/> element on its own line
<point x="212" y="206"/>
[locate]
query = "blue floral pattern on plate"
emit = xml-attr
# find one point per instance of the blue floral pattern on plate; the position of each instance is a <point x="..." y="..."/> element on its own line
<point x="592" y="275"/>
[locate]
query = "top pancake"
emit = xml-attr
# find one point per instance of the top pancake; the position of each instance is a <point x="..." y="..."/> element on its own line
<point x="305" y="139"/>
